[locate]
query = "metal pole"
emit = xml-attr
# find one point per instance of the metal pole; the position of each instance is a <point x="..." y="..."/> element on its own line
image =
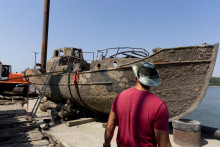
<point x="45" y="34"/>
<point x="27" y="96"/>
<point x="35" y="61"/>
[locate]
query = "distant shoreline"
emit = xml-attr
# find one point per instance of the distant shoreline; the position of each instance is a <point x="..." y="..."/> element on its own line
<point x="214" y="86"/>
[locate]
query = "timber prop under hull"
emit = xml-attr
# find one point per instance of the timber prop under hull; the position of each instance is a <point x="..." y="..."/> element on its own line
<point x="185" y="73"/>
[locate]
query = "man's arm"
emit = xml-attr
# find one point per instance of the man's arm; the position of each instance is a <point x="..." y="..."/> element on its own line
<point x="109" y="131"/>
<point x="162" y="138"/>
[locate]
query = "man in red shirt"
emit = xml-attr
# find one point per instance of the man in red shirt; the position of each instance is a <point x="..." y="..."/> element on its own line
<point x="142" y="117"/>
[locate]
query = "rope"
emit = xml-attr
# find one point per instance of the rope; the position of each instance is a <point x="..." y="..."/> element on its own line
<point x="38" y="75"/>
<point x="76" y="77"/>
<point x="64" y="72"/>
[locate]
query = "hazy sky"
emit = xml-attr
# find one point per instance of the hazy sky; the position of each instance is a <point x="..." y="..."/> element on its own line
<point x="100" y="24"/>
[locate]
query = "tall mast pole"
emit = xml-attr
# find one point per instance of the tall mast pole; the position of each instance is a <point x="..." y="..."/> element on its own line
<point x="45" y="34"/>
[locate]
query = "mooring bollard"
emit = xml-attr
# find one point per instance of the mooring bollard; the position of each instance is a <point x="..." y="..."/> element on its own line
<point x="187" y="133"/>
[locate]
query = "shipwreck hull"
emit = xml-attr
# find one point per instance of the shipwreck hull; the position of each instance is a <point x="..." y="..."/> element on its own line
<point x="185" y="73"/>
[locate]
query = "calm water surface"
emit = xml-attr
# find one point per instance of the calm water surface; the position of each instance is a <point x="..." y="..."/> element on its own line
<point x="208" y="112"/>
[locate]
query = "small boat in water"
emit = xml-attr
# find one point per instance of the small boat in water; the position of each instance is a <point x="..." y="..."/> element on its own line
<point x="185" y="73"/>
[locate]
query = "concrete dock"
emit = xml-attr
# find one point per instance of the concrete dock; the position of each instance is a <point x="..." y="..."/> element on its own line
<point x="17" y="131"/>
<point x="90" y="134"/>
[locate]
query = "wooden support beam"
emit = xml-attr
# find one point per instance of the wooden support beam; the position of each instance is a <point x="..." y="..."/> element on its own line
<point x="79" y="121"/>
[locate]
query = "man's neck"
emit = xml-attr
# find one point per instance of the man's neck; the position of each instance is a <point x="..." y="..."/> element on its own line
<point x="142" y="87"/>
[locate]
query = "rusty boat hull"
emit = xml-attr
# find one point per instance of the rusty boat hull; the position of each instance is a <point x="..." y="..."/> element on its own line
<point x="185" y="73"/>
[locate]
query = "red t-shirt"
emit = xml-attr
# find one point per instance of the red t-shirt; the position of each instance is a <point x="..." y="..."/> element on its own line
<point x="138" y="113"/>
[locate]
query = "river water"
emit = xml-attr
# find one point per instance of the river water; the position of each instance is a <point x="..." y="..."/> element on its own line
<point x="208" y="112"/>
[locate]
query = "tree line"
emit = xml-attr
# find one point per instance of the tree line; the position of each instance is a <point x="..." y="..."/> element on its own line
<point x="215" y="81"/>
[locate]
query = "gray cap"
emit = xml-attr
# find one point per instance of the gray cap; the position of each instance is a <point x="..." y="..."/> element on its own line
<point x="147" y="74"/>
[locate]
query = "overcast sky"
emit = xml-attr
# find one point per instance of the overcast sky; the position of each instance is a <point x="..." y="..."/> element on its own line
<point x="100" y="24"/>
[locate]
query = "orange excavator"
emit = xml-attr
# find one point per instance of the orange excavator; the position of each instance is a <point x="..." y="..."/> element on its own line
<point x="12" y="83"/>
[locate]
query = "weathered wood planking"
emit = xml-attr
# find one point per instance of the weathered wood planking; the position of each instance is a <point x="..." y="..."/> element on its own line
<point x="15" y="130"/>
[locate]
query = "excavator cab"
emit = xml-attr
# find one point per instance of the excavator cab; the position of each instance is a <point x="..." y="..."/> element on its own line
<point x="9" y="81"/>
<point x="5" y="71"/>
